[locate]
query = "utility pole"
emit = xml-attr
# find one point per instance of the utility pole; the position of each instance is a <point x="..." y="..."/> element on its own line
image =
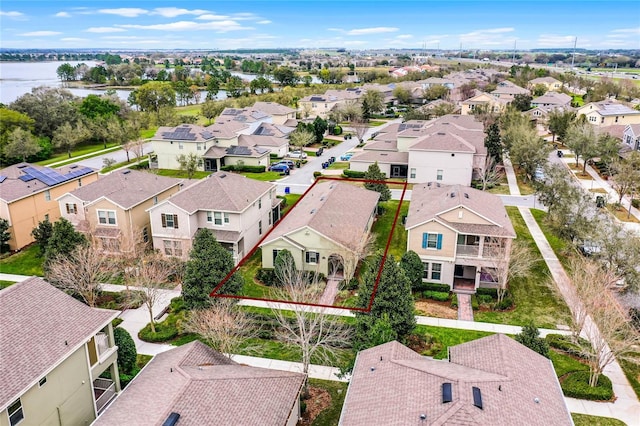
<point x="573" y="57"/>
<point x="513" y="58"/>
<point x="460" y="54"/>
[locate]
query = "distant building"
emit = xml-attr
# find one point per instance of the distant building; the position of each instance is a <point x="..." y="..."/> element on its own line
<point x="53" y="350"/>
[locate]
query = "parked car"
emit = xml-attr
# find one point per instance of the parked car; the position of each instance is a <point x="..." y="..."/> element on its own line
<point x="280" y="168"/>
<point x="346" y="157"/>
<point x="319" y="151"/>
<point x="297" y="154"/>
<point x="589" y="248"/>
<point x="539" y="174"/>
<point x="289" y="163"/>
<point x="600" y="201"/>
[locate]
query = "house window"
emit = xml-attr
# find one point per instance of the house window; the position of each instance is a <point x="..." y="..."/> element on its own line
<point x="145" y="234"/>
<point x="42" y="381"/>
<point x="616" y="118"/>
<point x="71" y="208"/>
<point x="259" y="227"/>
<point x="431" y="241"/>
<point x="413" y="173"/>
<point x="218" y="218"/>
<point x="312" y="257"/>
<point x="15" y="412"/>
<point x="155" y="200"/>
<point x="275" y="254"/>
<point x="436" y="271"/>
<point x="169" y="220"/>
<point x="79" y="182"/>
<point x="172" y="247"/>
<point x="107" y="217"/>
<point x="425" y="271"/>
<point x="439" y="175"/>
<point x="46" y="217"/>
<point x="199" y="146"/>
<point x="260" y="203"/>
<point x="180" y="145"/>
<point x="47" y="195"/>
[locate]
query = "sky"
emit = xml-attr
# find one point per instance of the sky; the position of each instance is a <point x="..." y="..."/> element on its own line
<point x="365" y="24"/>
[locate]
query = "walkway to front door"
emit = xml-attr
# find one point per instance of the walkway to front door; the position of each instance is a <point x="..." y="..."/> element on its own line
<point x="465" y="311"/>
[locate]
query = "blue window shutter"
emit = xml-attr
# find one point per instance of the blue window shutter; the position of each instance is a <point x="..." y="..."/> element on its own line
<point x="439" y="243"/>
<point x="424" y="240"/>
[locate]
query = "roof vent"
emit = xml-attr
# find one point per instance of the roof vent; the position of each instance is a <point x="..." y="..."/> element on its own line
<point x="313" y="211"/>
<point x="536" y="400"/>
<point x="477" y="397"/>
<point x="466" y="195"/>
<point x="440" y="133"/>
<point x="453" y="195"/>
<point x="423" y="417"/>
<point x="373" y="369"/>
<point x="171" y="420"/>
<point x="126" y="172"/>
<point x="223" y="175"/>
<point x="446" y="393"/>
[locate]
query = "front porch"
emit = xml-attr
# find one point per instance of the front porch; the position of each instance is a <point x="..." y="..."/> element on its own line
<point x="104" y="390"/>
<point x="467" y="278"/>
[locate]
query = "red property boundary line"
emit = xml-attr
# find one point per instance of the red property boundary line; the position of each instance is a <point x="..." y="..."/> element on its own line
<point x="318" y="305"/>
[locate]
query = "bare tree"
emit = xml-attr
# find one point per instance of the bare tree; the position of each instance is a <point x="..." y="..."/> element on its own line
<point x="224" y="326"/>
<point x="150" y="276"/>
<point x="82" y="272"/>
<point x="626" y="175"/>
<point x="489" y="174"/>
<point x="309" y="328"/>
<point x="509" y="260"/>
<point x="137" y="148"/>
<point x="360" y="126"/>
<point x="351" y="259"/>
<point x="609" y="334"/>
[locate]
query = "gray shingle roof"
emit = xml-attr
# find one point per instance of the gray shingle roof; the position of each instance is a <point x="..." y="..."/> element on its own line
<point x="337" y="210"/>
<point x="382" y="157"/>
<point x="429" y="200"/>
<point x="221" y="191"/>
<point x="273" y="108"/>
<point x="40" y="326"/>
<point x="127" y="188"/>
<point x="392" y="385"/>
<point x="205" y="388"/>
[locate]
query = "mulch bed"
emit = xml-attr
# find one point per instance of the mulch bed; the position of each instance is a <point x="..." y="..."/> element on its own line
<point x="317" y="400"/>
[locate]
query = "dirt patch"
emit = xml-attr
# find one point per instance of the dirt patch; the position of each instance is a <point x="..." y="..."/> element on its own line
<point x="432" y="308"/>
<point x="318" y="400"/>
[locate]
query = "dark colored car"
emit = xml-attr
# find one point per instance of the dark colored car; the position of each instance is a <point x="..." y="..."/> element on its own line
<point x="319" y="152"/>
<point x="280" y="168"/>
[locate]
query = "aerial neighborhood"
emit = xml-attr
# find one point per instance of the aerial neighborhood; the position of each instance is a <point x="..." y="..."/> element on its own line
<point x="365" y="237"/>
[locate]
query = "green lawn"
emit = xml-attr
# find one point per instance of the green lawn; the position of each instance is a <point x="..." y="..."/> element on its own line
<point x="561" y="247"/>
<point x="382" y="228"/>
<point x="291" y="199"/>
<point x="339" y="165"/>
<point x="523" y="184"/>
<point x="248" y="271"/>
<point x="587" y="420"/>
<point x="376" y="123"/>
<point x="535" y="297"/>
<point x="331" y="414"/>
<point x="77" y="152"/>
<point x="265" y="177"/>
<point x="148" y="133"/>
<point x="5" y="284"/>
<point x="181" y="173"/>
<point x="449" y="337"/>
<point x="631" y="368"/>
<point x="564" y="364"/>
<point x="25" y="262"/>
<point x="502" y="189"/>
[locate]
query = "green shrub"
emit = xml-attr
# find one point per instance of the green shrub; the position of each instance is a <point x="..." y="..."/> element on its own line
<point x="504" y="304"/>
<point x="565" y="344"/>
<point x="474" y="302"/>
<point x="454" y="301"/>
<point x="440" y="296"/>
<point x="636" y="203"/>
<point x="266" y="276"/>
<point x="530" y="337"/>
<point x="576" y="385"/>
<point x="353" y="173"/>
<point x="240" y="168"/>
<point x="337" y="130"/>
<point x="487" y="292"/>
<point x="317" y="174"/>
<point x="127" y="354"/>
<point x="352" y="284"/>
<point x="433" y="287"/>
<point x="164" y="332"/>
<point x="484" y="299"/>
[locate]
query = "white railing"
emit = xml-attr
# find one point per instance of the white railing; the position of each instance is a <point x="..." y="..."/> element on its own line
<point x="468" y="250"/>
<point x="102" y="343"/>
<point x="105" y="391"/>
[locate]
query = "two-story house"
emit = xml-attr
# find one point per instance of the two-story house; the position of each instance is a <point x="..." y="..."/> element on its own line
<point x="327" y="227"/>
<point x="239" y="211"/>
<point x="507" y="90"/>
<point x="631" y="136"/>
<point x="609" y="113"/>
<point x="28" y="195"/>
<point x="484" y="101"/>
<point x="322" y="105"/>
<point x="115" y="206"/>
<point x="53" y="351"/>
<point x="279" y="113"/>
<point x="550" y="83"/>
<point x="458" y="232"/>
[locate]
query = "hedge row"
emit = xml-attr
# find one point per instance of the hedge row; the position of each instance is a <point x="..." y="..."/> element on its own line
<point x="440" y="296"/>
<point x="433" y="287"/>
<point x="576" y="385"/>
<point x="353" y="173"/>
<point x="239" y="168"/>
<point x="563" y="343"/>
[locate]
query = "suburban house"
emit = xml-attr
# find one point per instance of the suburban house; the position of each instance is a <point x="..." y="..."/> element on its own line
<point x="329" y="224"/>
<point x="507" y="90"/>
<point x="631" y="136"/>
<point x="331" y="100"/>
<point x="279" y="113"/>
<point x="608" y="112"/>
<point x="463" y="235"/>
<point x="194" y="385"/>
<point x="115" y="206"/>
<point x="489" y="381"/>
<point x="449" y="150"/>
<point x="239" y="211"/>
<point x="485" y="101"/>
<point x="28" y="195"/>
<point x="552" y="99"/>
<point x="53" y="351"/>
<point x="436" y="81"/>
<point x="550" y="83"/>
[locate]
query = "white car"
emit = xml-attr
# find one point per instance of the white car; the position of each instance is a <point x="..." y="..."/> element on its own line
<point x="297" y="154"/>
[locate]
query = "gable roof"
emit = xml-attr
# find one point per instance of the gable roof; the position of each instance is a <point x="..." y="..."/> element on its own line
<point x="40" y="326"/>
<point x="257" y="140"/>
<point x="221" y="191"/>
<point x="184" y="132"/>
<point x="337" y="210"/>
<point x="273" y="108"/>
<point x="126" y="188"/>
<point x="610" y="108"/>
<point x="204" y="387"/>
<point x="430" y="200"/>
<point x="392" y="385"/>
<point x="553" y="98"/>
<point x="23" y="179"/>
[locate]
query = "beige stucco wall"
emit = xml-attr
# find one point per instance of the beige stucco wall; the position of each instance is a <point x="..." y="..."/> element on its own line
<point x="464" y="215"/>
<point x="24" y="214"/>
<point x="596" y="119"/>
<point x="248" y="161"/>
<point x="66" y="398"/>
<point x="167" y="151"/>
<point x="280" y="119"/>
<point x="449" y="237"/>
<point x="456" y="170"/>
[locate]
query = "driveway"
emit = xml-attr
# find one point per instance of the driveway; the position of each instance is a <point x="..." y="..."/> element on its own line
<point x="119" y="157"/>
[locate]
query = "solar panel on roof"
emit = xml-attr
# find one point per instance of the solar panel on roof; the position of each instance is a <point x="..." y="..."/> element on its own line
<point x="2" y="178"/>
<point x="446" y="393"/>
<point x="26" y="178"/>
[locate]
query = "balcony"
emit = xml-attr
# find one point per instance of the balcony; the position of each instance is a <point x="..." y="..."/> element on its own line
<point x="468" y="250"/>
<point x="104" y="390"/>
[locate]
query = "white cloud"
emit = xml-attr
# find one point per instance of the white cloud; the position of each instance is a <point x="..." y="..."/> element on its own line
<point x="40" y="33"/>
<point x="404" y="36"/>
<point x="73" y="39"/>
<point x="172" y="12"/>
<point x="102" y="30"/>
<point x="627" y="31"/>
<point x="213" y="17"/>
<point x="62" y="15"/>
<point x="13" y="14"/>
<point x="554" y="40"/>
<point x="127" y="12"/>
<point x="373" y="30"/>
<point x="486" y="37"/>
<point x="264" y="22"/>
<point x="218" y="26"/>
